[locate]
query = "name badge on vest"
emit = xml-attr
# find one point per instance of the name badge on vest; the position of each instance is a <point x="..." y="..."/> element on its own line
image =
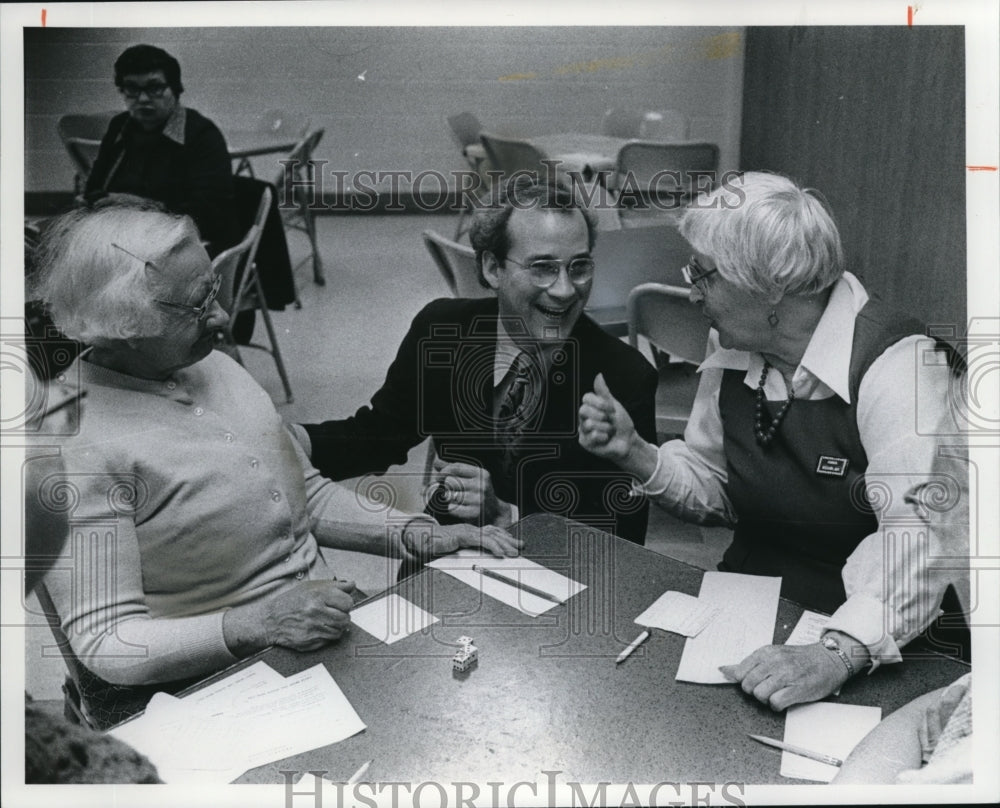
<point x="832" y="466"/>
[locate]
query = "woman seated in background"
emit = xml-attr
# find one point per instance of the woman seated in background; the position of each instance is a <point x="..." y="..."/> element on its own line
<point x="194" y="515"/>
<point x="814" y="416"/>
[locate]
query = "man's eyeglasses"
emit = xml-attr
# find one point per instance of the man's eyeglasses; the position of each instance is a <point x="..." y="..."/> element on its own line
<point x="200" y="312"/>
<point x="545" y="272"/>
<point x="154" y="89"/>
<point x="694" y="273"/>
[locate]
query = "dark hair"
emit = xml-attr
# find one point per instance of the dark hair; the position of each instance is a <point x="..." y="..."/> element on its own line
<point x="148" y="59"/>
<point x="524" y="190"/>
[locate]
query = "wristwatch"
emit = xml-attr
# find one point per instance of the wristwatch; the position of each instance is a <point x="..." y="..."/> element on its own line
<point x="831" y="644"/>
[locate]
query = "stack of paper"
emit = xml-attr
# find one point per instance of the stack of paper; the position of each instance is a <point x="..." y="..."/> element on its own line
<point x="679" y="613"/>
<point x="533" y="575"/>
<point x="253" y="717"/>
<point x="828" y="728"/>
<point x="748" y="605"/>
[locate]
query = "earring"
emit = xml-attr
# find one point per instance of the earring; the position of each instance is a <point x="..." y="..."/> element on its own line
<point x="772" y="319"/>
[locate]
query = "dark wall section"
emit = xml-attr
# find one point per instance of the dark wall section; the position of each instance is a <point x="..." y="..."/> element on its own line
<point x="874" y="117"/>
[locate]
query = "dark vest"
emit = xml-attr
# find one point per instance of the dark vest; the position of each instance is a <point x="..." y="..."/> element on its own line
<point x="801" y="502"/>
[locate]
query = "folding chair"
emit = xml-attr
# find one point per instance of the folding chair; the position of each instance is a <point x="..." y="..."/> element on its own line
<point x="294" y="203"/>
<point x="87" y="698"/>
<point x="274" y="122"/>
<point x="457" y="264"/>
<point x="621" y="122"/>
<point x="241" y="290"/>
<point x="465" y="129"/>
<point x="655" y="180"/>
<point x="674" y="327"/>
<point x="82" y="135"/>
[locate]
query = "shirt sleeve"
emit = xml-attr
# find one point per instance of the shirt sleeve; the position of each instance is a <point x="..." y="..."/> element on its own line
<point x="111" y="629"/>
<point x="893" y="590"/>
<point x="690" y="477"/>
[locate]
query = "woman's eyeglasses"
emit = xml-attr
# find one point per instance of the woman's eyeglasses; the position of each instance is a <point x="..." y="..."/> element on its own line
<point x="694" y="273"/>
<point x="545" y="272"/>
<point x="200" y="312"/>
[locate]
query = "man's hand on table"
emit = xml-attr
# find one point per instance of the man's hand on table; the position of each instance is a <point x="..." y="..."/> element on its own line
<point x="467" y="492"/>
<point x="425" y="540"/>
<point x="783" y="675"/>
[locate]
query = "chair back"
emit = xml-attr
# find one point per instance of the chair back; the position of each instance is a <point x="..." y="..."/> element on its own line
<point x="667" y="125"/>
<point x="465" y="128"/>
<point x="89" y="699"/>
<point x="665" y="316"/>
<point x="676" y="330"/>
<point x="657" y="179"/>
<point x="457" y="264"/>
<point x="233" y="264"/>
<point x="511" y="155"/>
<point x="81" y="136"/>
<point x="301" y="153"/>
<point x="621" y="122"/>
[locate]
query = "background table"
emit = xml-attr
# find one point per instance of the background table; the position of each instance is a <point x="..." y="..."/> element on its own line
<point x="546" y="693"/>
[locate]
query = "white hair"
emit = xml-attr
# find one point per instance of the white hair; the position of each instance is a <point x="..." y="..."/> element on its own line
<point x="97" y="269"/>
<point x="767" y="235"/>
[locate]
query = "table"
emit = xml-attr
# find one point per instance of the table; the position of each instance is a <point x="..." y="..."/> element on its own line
<point x="578" y="151"/>
<point x="244" y="144"/>
<point x="546" y="694"/>
<point x="575" y="151"/>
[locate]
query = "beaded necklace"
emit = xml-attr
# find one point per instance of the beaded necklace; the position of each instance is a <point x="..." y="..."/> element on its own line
<point x="764" y="437"/>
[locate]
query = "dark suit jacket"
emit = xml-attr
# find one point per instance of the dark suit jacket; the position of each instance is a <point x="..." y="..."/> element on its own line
<point x="441" y="384"/>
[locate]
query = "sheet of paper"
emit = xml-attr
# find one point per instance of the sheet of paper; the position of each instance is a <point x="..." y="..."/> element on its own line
<point x="679" y="613"/>
<point x="809" y="629"/>
<point x="826" y="727"/>
<point x="747" y="607"/>
<point x="459" y="565"/>
<point x="391" y="618"/>
<point x="241" y="724"/>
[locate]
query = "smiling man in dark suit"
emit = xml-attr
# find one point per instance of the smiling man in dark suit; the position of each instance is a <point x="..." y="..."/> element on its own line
<point x="498" y="381"/>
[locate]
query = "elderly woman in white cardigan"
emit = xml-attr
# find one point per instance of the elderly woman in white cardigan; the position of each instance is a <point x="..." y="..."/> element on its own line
<point x="195" y="516"/>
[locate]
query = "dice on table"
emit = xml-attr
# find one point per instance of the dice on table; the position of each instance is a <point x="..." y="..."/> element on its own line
<point x="463" y="660"/>
<point x="463" y="641"/>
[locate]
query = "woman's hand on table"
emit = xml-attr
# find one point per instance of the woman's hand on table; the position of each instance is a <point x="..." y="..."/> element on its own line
<point x="783" y="675"/>
<point x="304" y="618"/>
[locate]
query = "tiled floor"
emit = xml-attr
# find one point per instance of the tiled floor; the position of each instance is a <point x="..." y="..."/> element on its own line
<point x="337" y="348"/>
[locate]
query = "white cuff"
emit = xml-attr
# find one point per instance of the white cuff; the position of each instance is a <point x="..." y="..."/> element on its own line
<point x="864" y="618"/>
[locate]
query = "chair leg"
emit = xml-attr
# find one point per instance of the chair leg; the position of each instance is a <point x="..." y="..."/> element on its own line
<point x="318" y="277"/>
<point x="275" y="350"/>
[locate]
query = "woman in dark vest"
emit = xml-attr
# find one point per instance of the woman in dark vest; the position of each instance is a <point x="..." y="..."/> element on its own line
<point x="814" y="418"/>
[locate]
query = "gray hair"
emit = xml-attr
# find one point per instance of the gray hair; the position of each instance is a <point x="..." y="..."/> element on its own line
<point x="767" y="235"/>
<point x="95" y="268"/>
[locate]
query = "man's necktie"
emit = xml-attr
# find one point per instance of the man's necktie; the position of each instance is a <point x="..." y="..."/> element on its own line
<point x="517" y="410"/>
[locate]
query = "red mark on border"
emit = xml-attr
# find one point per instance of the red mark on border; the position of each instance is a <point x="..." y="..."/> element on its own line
<point x="909" y="16"/>
<point x="43" y="17"/>
<point x="981" y="168"/>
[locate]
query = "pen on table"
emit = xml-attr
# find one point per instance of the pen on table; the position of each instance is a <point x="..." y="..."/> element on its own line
<point x="798" y="750"/>
<point x="356" y="777"/>
<point x="632" y="646"/>
<point x="540" y="593"/>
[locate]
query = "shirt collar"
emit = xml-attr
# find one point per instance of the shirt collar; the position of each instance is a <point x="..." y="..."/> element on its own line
<point x="176" y="386"/>
<point x="827" y="357"/>
<point x="174" y="128"/>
